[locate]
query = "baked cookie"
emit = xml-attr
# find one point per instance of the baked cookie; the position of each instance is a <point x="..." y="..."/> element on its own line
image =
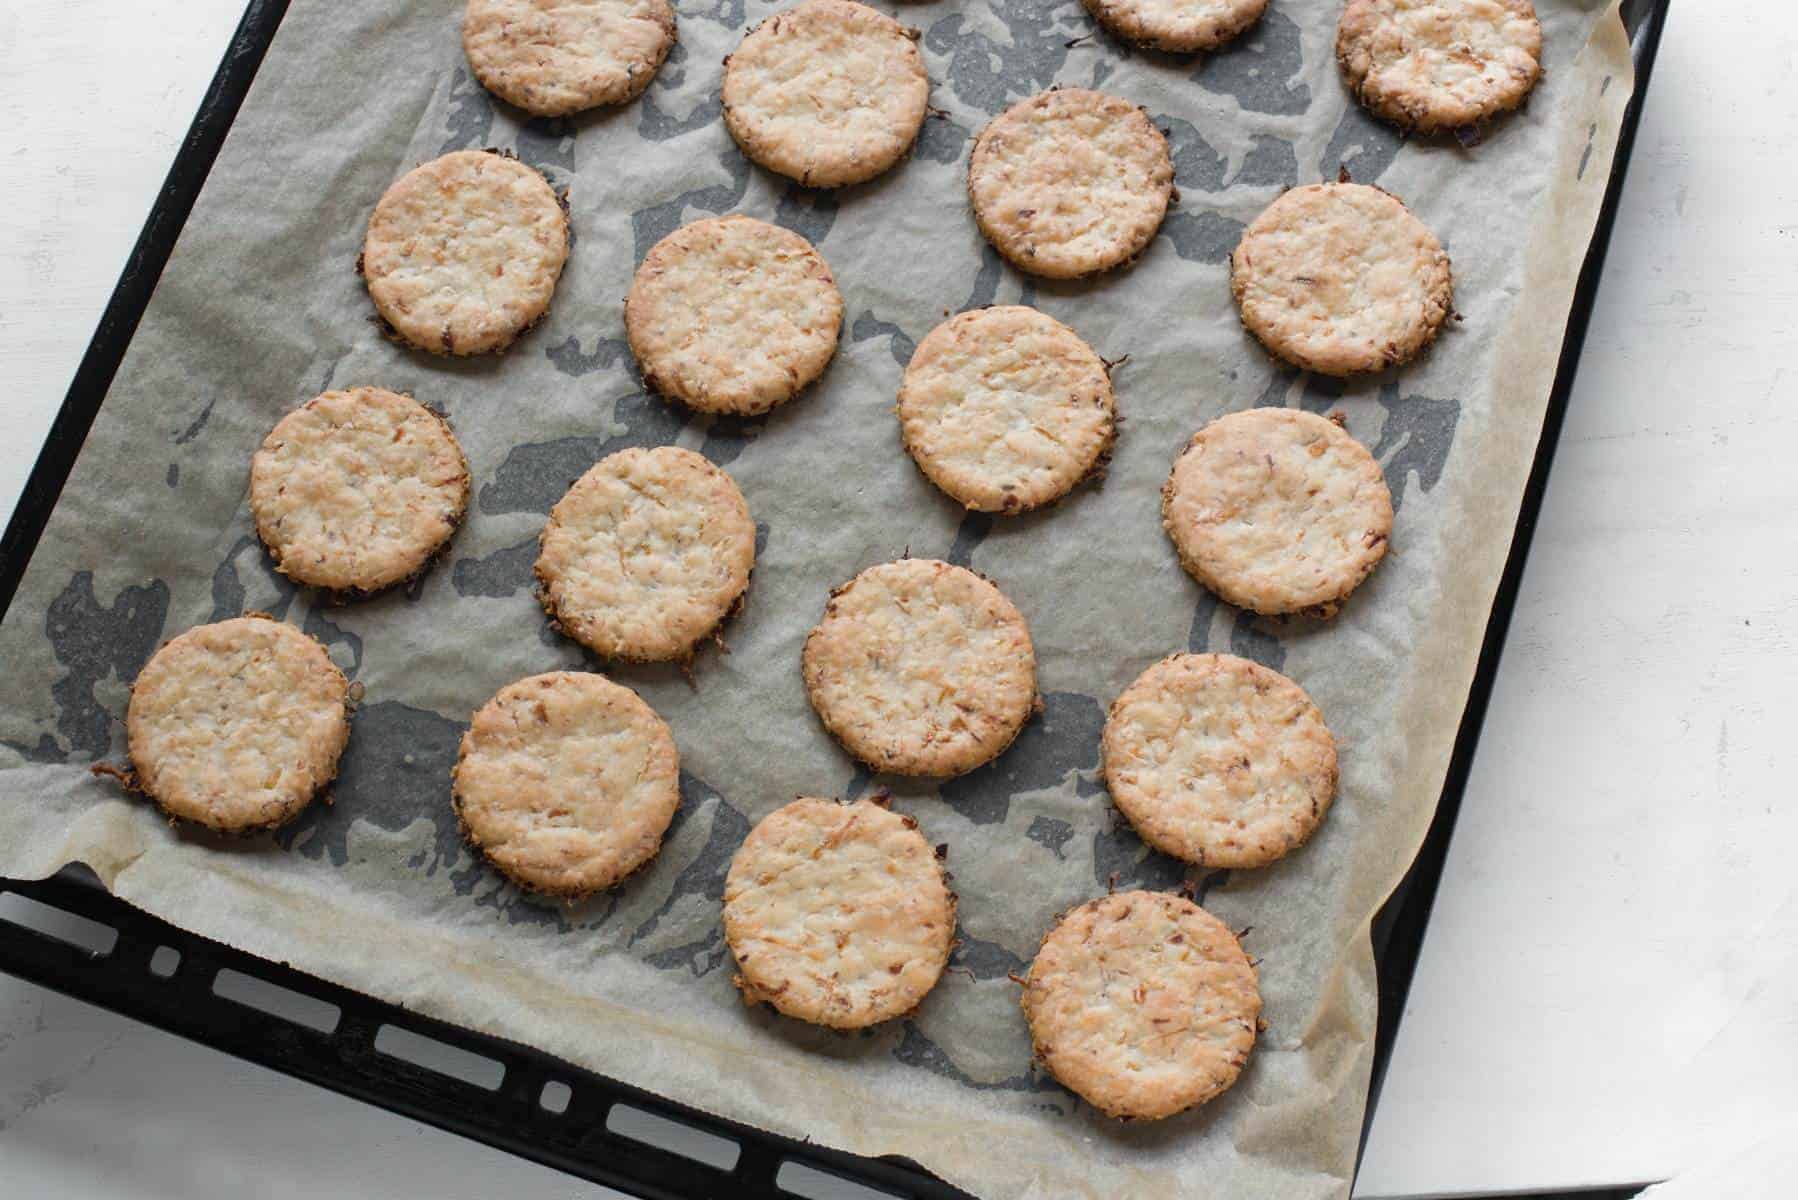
<point x="1070" y="182"/>
<point x="1219" y="761"/>
<point x="1277" y="510"/>
<point x="1430" y="65"/>
<point x="647" y="553"/>
<point x="1341" y="279"/>
<point x="237" y="725"/>
<point x="838" y="914"/>
<point x="1177" y="26"/>
<point x="566" y="783"/>
<point x="555" y="57"/>
<point x="356" y="491"/>
<point x="1006" y="409"/>
<point x="463" y="253"/>
<point x="1143" y="1004"/>
<point x="732" y="315"/>
<point x="921" y="668"/>
<point x="829" y="93"/>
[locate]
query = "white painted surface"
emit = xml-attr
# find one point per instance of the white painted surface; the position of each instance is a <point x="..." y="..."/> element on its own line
<point x="99" y="94"/>
<point x="1754" y="1168"/>
<point x="1611" y="978"/>
<point x="1609" y="985"/>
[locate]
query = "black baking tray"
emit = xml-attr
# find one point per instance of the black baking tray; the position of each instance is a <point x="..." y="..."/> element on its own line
<point x="541" y="1107"/>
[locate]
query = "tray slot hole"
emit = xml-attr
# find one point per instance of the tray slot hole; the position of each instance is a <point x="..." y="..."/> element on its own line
<point x="813" y="1184"/>
<point x="555" y="1097"/>
<point x="67" y="927"/>
<point x="673" y="1136"/>
<point x="165" y="962"/>
<point x="441" y="1057"/>
<point x="275" y="1000"/>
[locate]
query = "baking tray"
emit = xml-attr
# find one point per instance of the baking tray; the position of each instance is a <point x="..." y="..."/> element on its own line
<point x="519" y="1099"/>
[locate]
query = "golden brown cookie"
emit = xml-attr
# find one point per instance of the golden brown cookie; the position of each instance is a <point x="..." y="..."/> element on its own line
<point x="566" y="783"/>
<point x="555" y="57"/>
<point x="1006" y="409"/>
<point x="732" y="315"/>
<point x="921" y="668"/>
<point x="829" y="92"/>
<point x="463" y="253"/>
<point x="1070" y="182"/>
<point x="1177" y="26"/>
<point x="647" y="553"/>
<point x="1278" y="510"/>
<point x="1219" y="761"/>
<point x="1143" y="1004"/>
<point x="357" y="490"/>
<point x="1430" y="65"/>
<point x="1341" y="279"/>
<point x="237" y="725"/>
<point x="838" y="914"/>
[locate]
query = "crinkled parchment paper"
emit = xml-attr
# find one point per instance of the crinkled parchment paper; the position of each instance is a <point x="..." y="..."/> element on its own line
<point x="260" y="308"/>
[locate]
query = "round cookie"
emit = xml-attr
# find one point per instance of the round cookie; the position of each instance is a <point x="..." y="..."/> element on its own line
<point x="646" y="554"/>
<point x="1277" y="510"/>
<point x="1006" y="409"/>
<point x="829" y="93"/>
<point x="566" y="783"/>
<point x="1341" y="279"/>
<point x="237" y="725"/>
<point x="1143" y="1004"/>
<point x="1219" y="761"/>
<point x="356" y="491"/>
<point x="1430" y="65"/>
<point x="1177" y="26"/>
<point x="1070" y="182"/>
<point x="838" y="914"/>
<point x="555" y="57"/>
<point x="921" y="668"/>
<point x="732" y="315"/>
<point x="463" y="253"/>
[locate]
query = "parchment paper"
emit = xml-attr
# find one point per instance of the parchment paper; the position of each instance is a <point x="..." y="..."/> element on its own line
<point x="260" y="309"/>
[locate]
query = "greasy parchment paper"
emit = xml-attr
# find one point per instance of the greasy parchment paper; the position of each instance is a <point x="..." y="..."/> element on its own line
<point x="260" y="308"/>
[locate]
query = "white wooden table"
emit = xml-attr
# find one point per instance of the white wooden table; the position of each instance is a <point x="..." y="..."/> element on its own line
<point x="1608" y="985"/>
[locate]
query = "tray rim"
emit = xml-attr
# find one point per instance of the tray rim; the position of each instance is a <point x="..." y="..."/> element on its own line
<point x="510" y="1118"/>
